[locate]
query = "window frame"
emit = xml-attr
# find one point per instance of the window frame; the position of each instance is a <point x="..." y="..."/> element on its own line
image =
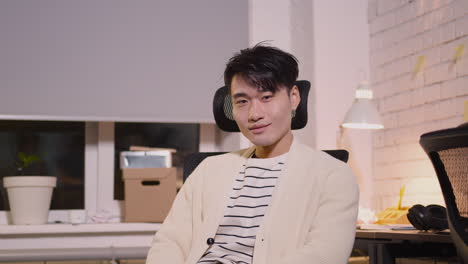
<point x="99" y="203"/>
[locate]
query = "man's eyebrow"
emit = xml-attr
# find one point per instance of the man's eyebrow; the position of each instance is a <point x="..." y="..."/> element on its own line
<point x="237" y="95"/>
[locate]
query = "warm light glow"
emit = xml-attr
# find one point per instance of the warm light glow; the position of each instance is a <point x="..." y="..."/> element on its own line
<point x="366" y="216"/>
<point x="364" y="94"/>
<point x="362" y="126"/>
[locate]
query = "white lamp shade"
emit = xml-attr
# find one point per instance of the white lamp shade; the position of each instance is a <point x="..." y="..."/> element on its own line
<point x="363" y="115"/>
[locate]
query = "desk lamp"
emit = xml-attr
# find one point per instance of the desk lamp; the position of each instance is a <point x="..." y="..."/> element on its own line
<point x="363" y="113"/>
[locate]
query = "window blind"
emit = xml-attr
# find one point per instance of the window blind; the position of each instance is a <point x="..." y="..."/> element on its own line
<point x="116" y="60"/>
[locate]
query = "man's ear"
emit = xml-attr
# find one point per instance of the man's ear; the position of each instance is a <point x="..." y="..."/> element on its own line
<point x="294" y="97"/>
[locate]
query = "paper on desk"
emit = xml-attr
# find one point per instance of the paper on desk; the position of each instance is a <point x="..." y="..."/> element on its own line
<point x="385" y="227"/>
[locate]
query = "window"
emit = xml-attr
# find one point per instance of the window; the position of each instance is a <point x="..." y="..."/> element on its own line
<point x="84" y="157"/>
<point x="60" y="147"/>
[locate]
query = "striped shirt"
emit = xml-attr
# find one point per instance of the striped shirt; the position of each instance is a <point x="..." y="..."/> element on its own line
<point x="248" y="203"/>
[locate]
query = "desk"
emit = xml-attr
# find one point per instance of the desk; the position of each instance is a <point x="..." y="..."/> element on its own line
<point x="383" y="246"/>
<point x="132" y="240"/>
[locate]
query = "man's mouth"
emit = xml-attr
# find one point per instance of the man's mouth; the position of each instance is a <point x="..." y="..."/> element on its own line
<point x="257" y="129"/>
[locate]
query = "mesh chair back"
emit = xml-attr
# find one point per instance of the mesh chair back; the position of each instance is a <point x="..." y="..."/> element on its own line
<point x="448" y="151"/>
<point x="456" y="166"/>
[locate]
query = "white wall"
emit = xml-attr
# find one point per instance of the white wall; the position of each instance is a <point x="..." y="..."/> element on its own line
<point x="331" y="41"/>
<point x="341" y="61"/>
<point x="414" y="102"/>
<point x="341" y="56"/>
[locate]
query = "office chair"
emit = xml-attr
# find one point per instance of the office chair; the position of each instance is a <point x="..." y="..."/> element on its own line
<point x="448" y="151"/>
<point x="222" y="111"/>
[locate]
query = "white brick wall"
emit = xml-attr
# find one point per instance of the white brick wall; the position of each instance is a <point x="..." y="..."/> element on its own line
<point x="412" y="103"/>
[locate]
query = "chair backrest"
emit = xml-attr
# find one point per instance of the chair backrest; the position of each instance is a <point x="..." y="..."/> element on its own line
<point x="222" y="111"/>
<point x="192" y="160"/>
<point x="448" y="151"/>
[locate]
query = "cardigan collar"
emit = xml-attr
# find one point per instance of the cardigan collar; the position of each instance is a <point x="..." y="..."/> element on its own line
<point x="247" y="153"/>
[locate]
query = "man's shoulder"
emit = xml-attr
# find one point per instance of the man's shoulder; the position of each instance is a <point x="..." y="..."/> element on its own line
<point x="313" y="157"/>
<point x="227" y="157"/>
<point x="217" y="164"/>
<point x="222" y="159"/>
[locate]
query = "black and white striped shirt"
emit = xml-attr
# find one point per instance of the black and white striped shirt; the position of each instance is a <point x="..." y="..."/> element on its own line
<point x="248" y="203"/>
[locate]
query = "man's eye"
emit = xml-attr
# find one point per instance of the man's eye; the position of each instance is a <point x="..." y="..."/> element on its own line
<point x="240" y="102"/>
<point x="267" y="97"/>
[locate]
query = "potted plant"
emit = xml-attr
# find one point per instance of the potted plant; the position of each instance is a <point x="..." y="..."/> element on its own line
<point x="29" y="196"/>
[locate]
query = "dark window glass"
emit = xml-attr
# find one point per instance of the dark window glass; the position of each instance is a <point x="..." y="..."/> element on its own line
<point x="182" y="137"/>
<point x="60" y="148"/>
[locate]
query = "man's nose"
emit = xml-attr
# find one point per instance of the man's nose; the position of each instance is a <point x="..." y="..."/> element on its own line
<point x="255" y="111"/>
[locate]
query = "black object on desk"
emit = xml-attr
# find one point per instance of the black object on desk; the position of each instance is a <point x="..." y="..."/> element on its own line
<point x="384" y="246"/>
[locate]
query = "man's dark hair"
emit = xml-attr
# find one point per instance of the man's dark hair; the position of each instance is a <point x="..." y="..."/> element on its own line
<point x="264" y="67"/>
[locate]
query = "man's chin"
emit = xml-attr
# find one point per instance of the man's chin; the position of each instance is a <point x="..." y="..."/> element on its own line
<point x="260" y="142"/>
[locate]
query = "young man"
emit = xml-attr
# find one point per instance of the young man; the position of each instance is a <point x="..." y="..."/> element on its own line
<point x="276" y="202"/>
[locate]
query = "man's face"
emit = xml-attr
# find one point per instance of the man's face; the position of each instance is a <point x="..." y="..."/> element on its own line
<point x="263" y="117"/>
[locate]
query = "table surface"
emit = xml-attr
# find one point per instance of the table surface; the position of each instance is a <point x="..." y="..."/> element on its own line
<point x="414" y="235"/>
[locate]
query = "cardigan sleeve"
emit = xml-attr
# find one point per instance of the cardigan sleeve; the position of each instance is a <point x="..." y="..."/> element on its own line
<point x="172" y="242"/>
<point x="331" y="236"/>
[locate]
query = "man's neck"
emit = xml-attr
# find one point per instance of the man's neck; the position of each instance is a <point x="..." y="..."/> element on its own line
<point x="280" y="147"/>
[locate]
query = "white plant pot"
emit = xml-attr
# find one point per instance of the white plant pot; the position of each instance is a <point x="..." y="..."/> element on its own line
<point x="30" y="198"/>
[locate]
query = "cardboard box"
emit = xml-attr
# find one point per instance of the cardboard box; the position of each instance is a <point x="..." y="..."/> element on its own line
<point x="149" y="193"/>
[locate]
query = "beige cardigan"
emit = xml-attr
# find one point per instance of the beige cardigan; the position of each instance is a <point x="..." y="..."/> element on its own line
<point x="311" y="218"/>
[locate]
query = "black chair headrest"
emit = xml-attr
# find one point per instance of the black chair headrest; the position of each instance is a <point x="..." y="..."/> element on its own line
<point x="222" y="108"/>
<point x="436" y="141"/>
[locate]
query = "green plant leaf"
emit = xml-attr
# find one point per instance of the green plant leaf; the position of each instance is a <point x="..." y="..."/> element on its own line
<point x="25" y="161"/>
<point x="21" y="156"/>
<point x="32" y="158"/>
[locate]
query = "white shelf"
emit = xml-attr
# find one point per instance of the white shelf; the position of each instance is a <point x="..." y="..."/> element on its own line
<point x="51" y="229"/>
<point x="76" y="242"/>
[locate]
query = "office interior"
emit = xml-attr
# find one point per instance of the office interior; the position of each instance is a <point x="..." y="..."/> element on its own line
<point x="127" y="73"/>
